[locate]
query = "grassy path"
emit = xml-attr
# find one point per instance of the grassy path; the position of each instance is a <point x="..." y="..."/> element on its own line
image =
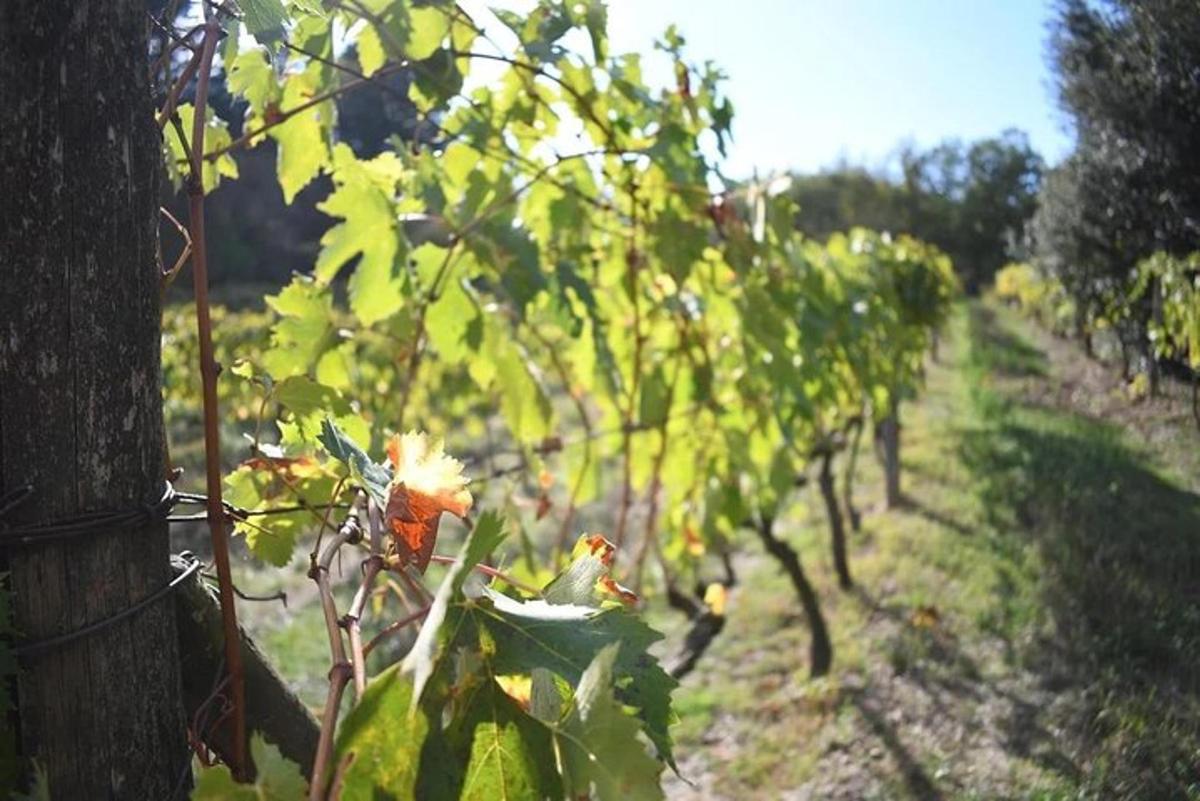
<point x="1027" y="627"/>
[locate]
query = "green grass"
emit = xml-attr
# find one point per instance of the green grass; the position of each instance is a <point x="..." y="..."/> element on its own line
<point x="1116" y="544"/>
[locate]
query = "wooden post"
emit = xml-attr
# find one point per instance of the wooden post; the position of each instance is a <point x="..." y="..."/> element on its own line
<point x="80" y="403"/>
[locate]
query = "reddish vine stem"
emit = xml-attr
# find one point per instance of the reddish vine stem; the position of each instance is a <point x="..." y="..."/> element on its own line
<point x="177" y="88"/>
<point x="352" y="622"/>
<point x="341" y="671"/>
<point x="208" y="373"/>
<point x="632" y="262"/>
<point x="339" y="677"/>
<point x="408" y="620"/>
<point x="650" y="533"/>
<point x="489" y="571"/>
<point x="168" y="276"/>
<point x="395" y="627"/>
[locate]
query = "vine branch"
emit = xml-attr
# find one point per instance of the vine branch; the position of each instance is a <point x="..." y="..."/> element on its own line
<point x="208" y="373"/>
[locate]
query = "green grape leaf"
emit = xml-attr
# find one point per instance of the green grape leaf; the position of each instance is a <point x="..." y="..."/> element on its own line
<point x="596" y="19"/>
<point x="264" y="19"/>
<point x="304" y="329"/>
<point x="679" y="240"/>
<point x="436" y="79"/>
<point x="373" y="477"/>
<point x="523" y="401"/>
<point x="310" y="403"/>
<point x="654" y="401"/>
<point x="370" y="230"/>
<point x="397" y="751"/>
<point x="430" y="645"/>
<point x="599" y="743"/>
<point x="511" y="755"/>
<point x="276" y="779"/>
<point x="565" y="638"/>
<point x="371" y="53"/>
<point x="233" y="32"/>
<point x="251" y="76"/>
<point x="302" y="138"/>
<point x="256" y="485"/>
<point x="428" y="27"/>
<point x="447" y="320"/>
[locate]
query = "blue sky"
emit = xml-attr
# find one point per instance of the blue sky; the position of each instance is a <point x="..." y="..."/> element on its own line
<point x="816" y="80"/>
<point x="813" y="81"/>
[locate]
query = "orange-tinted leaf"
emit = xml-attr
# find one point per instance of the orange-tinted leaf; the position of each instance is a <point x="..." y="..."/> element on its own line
<point x="414" y="519"/>
<point x="426" y="483"/>
<point x="611" y="586"/>
<point x="602" y="549"/>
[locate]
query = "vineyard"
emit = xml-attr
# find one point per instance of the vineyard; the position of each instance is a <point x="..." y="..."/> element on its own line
<point x="635" y="365"/>
<point x="567" y="466"/>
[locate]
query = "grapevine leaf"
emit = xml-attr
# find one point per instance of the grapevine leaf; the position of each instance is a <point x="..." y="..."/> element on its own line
<point x="565" y="638"/>
<point x="436" y="79"/>
<point x="229" y="50"/>
<point x="392" y="751"/>
<point x="599" y="744"/>
<point x="427" y="651"/>
<point x="302" y="141"/>
<point x="426" y="483"/>
<point x="511" y="755"/>
<point x="655" y="399"/>
<point x="577" y="583"/>
<point x="304" y="329"/>
<point x="264" y="19"/>
<point x="447" y="321"/>
<point x="371" y="53"/>
<point x="596" y="18"/>
<point x="428" y="27"/>
<point x="368" y="229"/>
<point x="216" y="137"/>
<point x="310" y="402"/>
<point x="276" y="778"/>
<point x="255" y="486"/>
<point x="251" y="76"/>
<point x="523" y="401"/>
<point x="373" y="477"/>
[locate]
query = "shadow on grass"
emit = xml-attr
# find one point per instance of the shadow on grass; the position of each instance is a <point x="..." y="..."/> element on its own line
<point x="926" y="511"/>
<point x="930" y="658"/>
<point x="1119" y="550"/>
<point x="919" y="785"/>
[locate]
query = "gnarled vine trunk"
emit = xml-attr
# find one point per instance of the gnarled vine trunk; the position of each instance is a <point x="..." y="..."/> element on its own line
<point x="889" y="434"/>
<point x="80" y="404"/>
<point x="837" y="531"/>
<point x="821" y="649"/>
<point x="849" y="475"/>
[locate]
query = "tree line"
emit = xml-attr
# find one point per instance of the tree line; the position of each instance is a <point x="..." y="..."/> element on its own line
<point x="1118" y="219"/>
